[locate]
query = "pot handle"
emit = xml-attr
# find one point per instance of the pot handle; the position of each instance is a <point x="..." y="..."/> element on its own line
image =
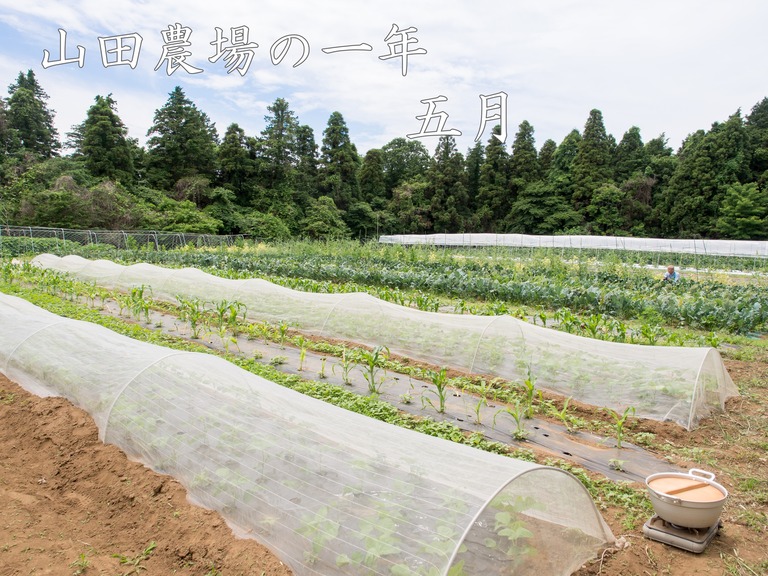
<point x="701" y="473"/>
<point x="668" y="499"/>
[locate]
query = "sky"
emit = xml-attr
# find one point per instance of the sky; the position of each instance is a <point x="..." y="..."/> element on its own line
<point x="665" y="66"/>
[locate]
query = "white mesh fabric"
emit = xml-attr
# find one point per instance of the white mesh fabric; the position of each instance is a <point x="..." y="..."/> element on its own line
<point x="679" y="384"/>
<point x="745" y="248"/>
<point x="331" y="491"/>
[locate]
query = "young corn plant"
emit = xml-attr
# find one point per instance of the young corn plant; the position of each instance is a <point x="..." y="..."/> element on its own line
<point x="123" y="301"/>
<point x="345" y="367"/>
<point x="371" y="366"/>
<point x="192" y="310"/>
<point x="226" y="338"/>
<point x="282" y="333"/>
<point x="518" y="415"/>
<point x="139" y="304"/>
<point x="227" y="313"/>
<point x="321" y="374"/>
<point x="566" y="419"/>
<point x="478" y="409"/>
<point x="265" y="330"/>
<point x="440" y="380"/>
<point x="530" y="393"/>
<point x="620" y="421"/>
<point x="135" y="563"/>
<point x="302" y="344"/>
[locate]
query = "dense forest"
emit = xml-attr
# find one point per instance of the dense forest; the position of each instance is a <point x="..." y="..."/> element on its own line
<point x="280" y="183"/>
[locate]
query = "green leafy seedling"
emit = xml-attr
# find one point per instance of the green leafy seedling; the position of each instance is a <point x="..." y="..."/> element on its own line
<point x="620" y="422"/>
<point x="440" y="380"/>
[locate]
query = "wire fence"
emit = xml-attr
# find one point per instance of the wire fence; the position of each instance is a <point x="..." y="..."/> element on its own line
<point x="121" y="239"/>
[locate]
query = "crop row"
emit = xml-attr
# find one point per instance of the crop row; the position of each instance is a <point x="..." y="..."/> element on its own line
<point x="616" y="291"/>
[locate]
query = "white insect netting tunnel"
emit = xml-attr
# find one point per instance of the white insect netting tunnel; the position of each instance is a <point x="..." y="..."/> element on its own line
<point x="744" y="248"/>
<point x="678" y="384"/>
<point x="330" y="491"/>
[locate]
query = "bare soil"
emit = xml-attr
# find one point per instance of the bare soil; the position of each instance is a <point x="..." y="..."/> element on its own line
<point x="72" y="505"/>
<point x="63" y="494"/>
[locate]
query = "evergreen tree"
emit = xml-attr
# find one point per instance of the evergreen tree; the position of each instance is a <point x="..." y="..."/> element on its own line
<point x="8" y="138"/>
<point x="403" y="160"/>
<point x="29" y="118"/>
<point x="410" y="208"/>
<point x="605" y="211"/>
<point x="473" y="165"/>
<point x="182" y="142"/>
<point x="105" y="147"/>
<point x="757" y="133"/>
<point x="561" y="170"/>
<point x="647" y="191"/>
<point x="372" y="177"/>
<point x="546" y="156"/>
<point x="539" y="209"/>
<point x="592" y="165"/>
<point x="523" y="166"/>
<point x="305" y="181"/>
<point x="744" y="213"/>
<point x="523" y="162"/>
<point x="276" y="150"/>
<point x="708" y="163"/>
<point x="339" y="163"/>
<point x="236" y="166"/>
<point x="494" y="200"/>
<point x="324" y="220"/>
<point x="446" y="189"/>
<point x="629" y="157"/>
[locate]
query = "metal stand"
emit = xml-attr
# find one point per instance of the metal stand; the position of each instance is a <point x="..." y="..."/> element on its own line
<point x="692" y="539"/>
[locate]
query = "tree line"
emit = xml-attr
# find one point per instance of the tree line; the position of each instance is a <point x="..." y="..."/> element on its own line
<point x="281" y="183"/>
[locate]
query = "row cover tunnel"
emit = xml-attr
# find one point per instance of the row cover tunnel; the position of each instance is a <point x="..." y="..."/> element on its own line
<point x="330" y="491"/>
<point x="678" y="384"/>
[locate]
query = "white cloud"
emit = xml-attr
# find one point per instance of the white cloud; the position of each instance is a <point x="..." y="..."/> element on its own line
<point x="671" y="67"/>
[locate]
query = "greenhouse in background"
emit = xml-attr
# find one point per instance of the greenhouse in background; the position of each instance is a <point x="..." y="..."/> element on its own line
<point x="678" y="384"/>
<point x="330" y="491"/>
<point x="704" y="247"/>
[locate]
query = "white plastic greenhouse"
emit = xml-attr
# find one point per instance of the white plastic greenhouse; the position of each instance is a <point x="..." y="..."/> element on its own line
<point x="704" y="247"/>
<point x="330" y="491"/>
<point x="677" y="384"/>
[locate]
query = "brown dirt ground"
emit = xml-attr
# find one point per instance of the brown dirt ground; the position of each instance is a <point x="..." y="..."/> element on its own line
<point x="65" y="496"/>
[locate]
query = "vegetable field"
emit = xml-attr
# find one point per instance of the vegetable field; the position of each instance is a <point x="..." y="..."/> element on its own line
<point x="606" y="299"/>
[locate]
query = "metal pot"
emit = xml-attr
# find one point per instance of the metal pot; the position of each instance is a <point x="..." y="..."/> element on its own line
<point x="692" y="500"/>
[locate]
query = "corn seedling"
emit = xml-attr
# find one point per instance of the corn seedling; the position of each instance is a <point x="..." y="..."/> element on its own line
<point x="80" y="565"/>
<point x="620" y="421"/>
<point x="652" y="333"/>
<point x="302" y="344"/>
<point x="564" y="417"/>
<point x="345" y="367"/>
<point x="123" y="301"/>
<point x="478" y="409"/>
<point x="518" y="415"/>
<point x="282" y="333"/>
<point x="616" y="464"/>
<point x="265" y="329"/>
<point x="135" y="563"/>
<point x="192" y="310"/>
<point x="138" y="303"/>
<point x="529" y="393"/>
<point x="227" y="313"/>
<point x="226" y="338"/>
<point x="592" y="325"/>
<point x="440" y="380"/>
<point x="371" y="367"/>
<point x="321" y="374"/>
